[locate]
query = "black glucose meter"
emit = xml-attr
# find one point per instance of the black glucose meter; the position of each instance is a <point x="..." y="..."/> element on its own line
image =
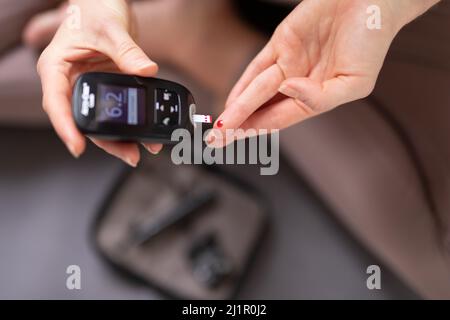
<point x="131" y="108"/>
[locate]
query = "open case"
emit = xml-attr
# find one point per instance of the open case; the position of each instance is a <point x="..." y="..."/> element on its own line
<point x="189" y="231"/>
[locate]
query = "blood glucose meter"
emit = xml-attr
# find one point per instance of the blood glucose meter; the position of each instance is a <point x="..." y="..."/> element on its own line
<point x="131" y="108"/>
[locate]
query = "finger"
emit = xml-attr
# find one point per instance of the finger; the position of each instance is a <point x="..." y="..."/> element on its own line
<point x="127" y="152"/>
<point x="153" y="148"/>
<point x="56" y="103"/>
<point x="262" y="61"/>
<point x="126" y="54"/>
<point x="279" y="115"/>
<point x="319" y="97"/>
<point x="264" y="87"/>
<point x="306" y="98"/>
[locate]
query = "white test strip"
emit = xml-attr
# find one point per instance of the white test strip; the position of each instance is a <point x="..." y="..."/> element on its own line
<point x="200" y="118"/>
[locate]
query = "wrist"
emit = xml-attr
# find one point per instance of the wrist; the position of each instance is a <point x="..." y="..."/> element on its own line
<point x="406" y="11"/>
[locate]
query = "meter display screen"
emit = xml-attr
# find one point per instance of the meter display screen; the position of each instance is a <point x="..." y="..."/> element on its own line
<point x="120" y="104"/>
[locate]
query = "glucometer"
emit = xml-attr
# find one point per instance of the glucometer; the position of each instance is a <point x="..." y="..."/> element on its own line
<point x="132" y="108"/>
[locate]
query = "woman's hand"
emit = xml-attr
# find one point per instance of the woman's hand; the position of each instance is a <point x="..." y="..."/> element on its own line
<point x="321" y="56"/>
<point x="94" y="37"/>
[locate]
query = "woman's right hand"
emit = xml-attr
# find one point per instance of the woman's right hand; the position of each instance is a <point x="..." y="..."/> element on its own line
<point x="95" y="36"/>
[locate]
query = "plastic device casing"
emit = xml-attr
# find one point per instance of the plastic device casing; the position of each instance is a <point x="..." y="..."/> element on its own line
<point x="150" y="131"/>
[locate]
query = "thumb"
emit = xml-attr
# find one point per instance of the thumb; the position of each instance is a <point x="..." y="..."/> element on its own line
<point x="127" y="55"/>
<point x="318" y="97"/>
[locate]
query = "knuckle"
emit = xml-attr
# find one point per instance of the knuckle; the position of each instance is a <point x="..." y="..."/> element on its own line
<point x="44" y="60"/>
<point x="126" y="48"/>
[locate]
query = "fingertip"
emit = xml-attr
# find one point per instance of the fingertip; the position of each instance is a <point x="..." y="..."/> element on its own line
<point x="223" y="126"/>
<point x="308" y="93"/>
<point x="291" y="84"/>
<point x="130" y="158"/>
<point x="295" y="82"/>
<point x="128" y="56"/>
<point x="76" y="148"/>
<point x="153" y="148"/>
<point x="217" y="131"/>
<point x="134" y="61"/>
<point x="210" y="138"/>
<point x="215" y="139"/>
<point x="146" y="68"/>
<point x="132" y="161"/>
<point x="141" y="67"/>
<point x="127" y="152"/>
<point x="289" y="90"/>
<point x="72" y="138"/>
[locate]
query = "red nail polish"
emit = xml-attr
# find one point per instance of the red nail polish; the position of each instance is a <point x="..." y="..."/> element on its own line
<point x="219" y="124"/>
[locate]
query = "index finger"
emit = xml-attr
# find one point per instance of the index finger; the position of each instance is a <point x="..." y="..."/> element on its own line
<point x="260" y="63"/>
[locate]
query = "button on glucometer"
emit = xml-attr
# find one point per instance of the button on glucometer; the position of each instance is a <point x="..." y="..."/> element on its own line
<point x="131" y="108"/>
<point x="167" y="107"/>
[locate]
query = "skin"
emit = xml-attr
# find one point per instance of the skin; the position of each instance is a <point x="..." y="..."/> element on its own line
<point x="321" y="56"/>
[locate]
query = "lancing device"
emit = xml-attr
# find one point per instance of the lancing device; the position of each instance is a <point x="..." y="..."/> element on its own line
<point x="131" y="108"/>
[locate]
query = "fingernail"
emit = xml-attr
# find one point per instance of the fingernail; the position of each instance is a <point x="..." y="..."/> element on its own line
<point x="153" y="150"/>
<point x="73" y="151"/>
<point x="289" y="91"/>
<point x="130" y="162"/>
<point x="219" y="124"/>
<point x="143" y="64"/>
<point x="211" y="137"/>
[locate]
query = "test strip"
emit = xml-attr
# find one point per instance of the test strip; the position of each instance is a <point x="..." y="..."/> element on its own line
<point x="200" y="118"/>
